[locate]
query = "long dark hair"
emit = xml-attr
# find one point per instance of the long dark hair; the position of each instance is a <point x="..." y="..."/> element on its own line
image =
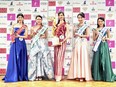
<point x="101" y="18"/>
<point x="81" y="14"/>
<point x="20" y="14"/>
<point x="58" y="19"/>
<point x="39" y="17"/>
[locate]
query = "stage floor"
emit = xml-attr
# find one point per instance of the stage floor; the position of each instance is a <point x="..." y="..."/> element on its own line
<point x="64" y="83"/>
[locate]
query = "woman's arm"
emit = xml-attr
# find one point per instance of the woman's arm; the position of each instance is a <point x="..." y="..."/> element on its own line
<point x="12" y="29"/>
<point x="108" y="35"/>
<point x="31" y="32"/>
<point x="74" y="31"/>
<point x="95" y="34"/>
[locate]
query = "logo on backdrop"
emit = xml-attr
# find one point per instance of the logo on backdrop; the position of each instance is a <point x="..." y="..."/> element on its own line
<point x="58" y="9"/>
<point x="10" y="16"/>
<point x="35" y="3"/>
<point x="109" y="2"/>
<point x="3" y="10"/>
<point x="110" y="23"/>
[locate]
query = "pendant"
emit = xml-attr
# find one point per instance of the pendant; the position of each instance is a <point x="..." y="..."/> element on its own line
<point x="21" y="39"/>
<point x="61" y="37"/>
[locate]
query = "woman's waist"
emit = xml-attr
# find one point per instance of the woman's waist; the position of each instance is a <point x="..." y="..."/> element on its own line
<point x="80" y="38"/>
<point x="39" y="40"/>
<point x="62" y="36"/>
<point x="20" y="39"/>
<point x="59" y="38"/>
<point x="34" y="38"/>
<point x="102" y="41"/>
<point x="42" y="43"/>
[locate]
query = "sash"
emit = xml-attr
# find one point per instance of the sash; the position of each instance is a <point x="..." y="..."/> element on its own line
<point x="82" y="29"/>
<point x="37" y="36"/>
<point x="99" y="39"/>
<point x="13" y="36"/>
<point x="80" y="32"/>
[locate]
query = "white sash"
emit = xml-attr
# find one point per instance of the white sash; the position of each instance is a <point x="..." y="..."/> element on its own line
<point x="82" y="29"/>
<point x="37" y="36"/>
<point x="99" y="39"/>
<point x="80" y="32"/>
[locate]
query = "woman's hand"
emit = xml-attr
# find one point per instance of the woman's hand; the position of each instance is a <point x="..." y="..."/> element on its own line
<point x="43" y="36"/>
<point x="17" y="35"/>
<point x="104" y="38"/>
<point x="61" y="43"/>
<point x="77" y="35"/>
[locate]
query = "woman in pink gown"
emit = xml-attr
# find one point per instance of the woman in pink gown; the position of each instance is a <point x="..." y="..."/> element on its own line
<point x="61" y="31"/>
<point x="80" y="64"/>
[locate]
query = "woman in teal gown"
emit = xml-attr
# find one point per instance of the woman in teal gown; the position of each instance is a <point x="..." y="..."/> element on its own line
<point x="101" y="63"/>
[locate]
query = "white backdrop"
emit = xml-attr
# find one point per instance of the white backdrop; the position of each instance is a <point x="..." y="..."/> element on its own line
<point x="49" y="8"/>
